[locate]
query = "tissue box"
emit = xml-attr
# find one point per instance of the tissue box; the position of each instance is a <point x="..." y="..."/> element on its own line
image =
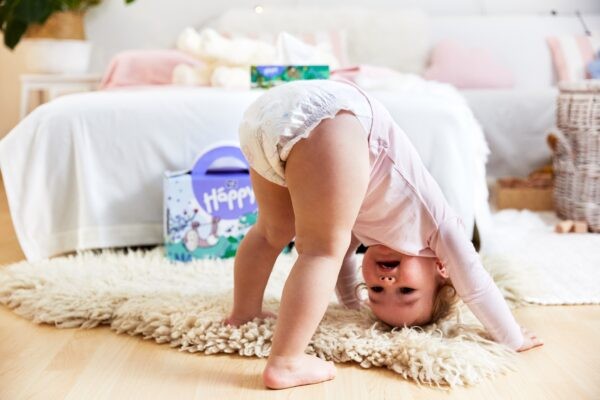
<point x="208" y="209"/>
<point x="266" y="76"/>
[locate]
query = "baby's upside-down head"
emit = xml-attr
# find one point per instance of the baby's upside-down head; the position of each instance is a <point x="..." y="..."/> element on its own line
<point x="406" y="290"/>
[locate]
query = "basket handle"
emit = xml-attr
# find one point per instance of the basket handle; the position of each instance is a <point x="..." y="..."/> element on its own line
<point x="559" y="144"/>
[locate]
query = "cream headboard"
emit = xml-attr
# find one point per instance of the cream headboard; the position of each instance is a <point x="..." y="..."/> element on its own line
<point x="398" y="38"/>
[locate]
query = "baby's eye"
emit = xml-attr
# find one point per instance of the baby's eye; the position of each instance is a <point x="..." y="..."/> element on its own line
<point x="406" y="290"/>
<point x="377" y="289"/>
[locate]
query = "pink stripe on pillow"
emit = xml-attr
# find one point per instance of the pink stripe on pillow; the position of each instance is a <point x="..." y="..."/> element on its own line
<point x="560" y="64"/>
<point x="587" y="52"/>
<point x="571" y="55"/>
<point x="585" y="45"/>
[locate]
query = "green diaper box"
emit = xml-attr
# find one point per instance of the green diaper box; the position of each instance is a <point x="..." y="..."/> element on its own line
<point x="208" y="209"/>
<point x="267" y="76"/>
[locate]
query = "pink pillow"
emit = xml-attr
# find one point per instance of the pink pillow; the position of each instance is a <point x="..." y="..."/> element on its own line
<point x="467" y="68"/>
<point x="144" y="67"/>
<point x="571" y="55"/>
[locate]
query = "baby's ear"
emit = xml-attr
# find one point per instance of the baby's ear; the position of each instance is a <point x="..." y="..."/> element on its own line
<point x="441" y="269"/>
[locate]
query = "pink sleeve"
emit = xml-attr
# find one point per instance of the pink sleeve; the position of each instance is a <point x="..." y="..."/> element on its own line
<point x="473" y="283"/>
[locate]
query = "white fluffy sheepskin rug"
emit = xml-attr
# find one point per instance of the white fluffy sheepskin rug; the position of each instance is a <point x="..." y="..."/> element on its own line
<point x="141" y="293"/>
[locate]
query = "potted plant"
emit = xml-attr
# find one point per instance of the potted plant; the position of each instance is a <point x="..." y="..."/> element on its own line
<point x="53" y="30"/>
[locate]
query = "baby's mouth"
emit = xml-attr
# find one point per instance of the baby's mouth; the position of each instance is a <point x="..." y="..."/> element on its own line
<point x="388" y="264"/>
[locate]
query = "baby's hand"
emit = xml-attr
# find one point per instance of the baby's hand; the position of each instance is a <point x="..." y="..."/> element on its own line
<point x="530" y="340"/>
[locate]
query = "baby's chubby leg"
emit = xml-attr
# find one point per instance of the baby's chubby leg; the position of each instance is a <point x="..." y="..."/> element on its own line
<point x="259" y="249"/>
<point x="327" y="175"/>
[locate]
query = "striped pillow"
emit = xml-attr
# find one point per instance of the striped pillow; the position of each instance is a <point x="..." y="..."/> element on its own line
<point x="572" y="54"/>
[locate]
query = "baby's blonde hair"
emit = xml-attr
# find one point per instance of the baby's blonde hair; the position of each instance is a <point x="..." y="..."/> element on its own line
<point x="444" y="303"/>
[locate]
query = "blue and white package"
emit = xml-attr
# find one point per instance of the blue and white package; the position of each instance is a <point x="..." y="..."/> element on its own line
<point x="210" y="208"/>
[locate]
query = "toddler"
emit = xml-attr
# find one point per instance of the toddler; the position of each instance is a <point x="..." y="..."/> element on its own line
<point x="330" y="168"/>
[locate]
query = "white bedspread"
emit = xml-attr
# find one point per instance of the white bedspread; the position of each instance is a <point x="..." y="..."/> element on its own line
<point x="515" y="123"/>
<point x="85" y="170"/>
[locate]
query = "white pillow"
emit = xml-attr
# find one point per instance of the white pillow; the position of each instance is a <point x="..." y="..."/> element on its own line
<point x="292" y="51"/>
<point x="333" y="42"/>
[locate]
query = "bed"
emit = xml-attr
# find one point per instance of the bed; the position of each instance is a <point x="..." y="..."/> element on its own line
<point x="85" y="170"/>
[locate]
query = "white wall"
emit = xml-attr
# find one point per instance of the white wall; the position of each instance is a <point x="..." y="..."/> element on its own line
<point x="112" y="27"/>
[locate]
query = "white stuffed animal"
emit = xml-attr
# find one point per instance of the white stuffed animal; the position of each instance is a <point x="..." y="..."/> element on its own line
<point x="227" y="61"/>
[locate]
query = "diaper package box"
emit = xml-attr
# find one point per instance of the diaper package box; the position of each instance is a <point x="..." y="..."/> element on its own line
<point x="208" y="209"/>
<point x="266" y="76"/>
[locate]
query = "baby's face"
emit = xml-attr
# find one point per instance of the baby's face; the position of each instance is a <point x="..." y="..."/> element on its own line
<point x="401" y="288"/>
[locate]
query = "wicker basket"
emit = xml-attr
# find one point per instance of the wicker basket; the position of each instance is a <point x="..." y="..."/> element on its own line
<point x="60" y="25"/>
<point x="577" y="156"/>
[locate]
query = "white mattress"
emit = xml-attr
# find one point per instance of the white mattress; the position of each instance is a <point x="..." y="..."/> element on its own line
<point x="85" y="170"/>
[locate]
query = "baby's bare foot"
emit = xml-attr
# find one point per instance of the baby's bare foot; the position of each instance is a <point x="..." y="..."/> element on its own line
<point x="237" y="321"/>
<point x="286" y="372"/>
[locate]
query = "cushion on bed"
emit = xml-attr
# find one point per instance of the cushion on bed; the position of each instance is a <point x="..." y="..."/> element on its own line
<point x="144" y="67"/>
<point x="467" y="68"/>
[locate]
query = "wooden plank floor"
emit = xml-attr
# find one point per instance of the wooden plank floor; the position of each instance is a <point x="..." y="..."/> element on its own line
<point x="43" y="362"/>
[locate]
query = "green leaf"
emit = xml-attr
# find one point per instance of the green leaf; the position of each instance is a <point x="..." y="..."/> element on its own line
<point x="33" y="11"/>
<point x="17" y="15"/>
<point x="14" y="31"/>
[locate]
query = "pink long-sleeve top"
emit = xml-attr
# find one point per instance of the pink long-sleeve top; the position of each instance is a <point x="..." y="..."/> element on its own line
<point x="405" y="210"/>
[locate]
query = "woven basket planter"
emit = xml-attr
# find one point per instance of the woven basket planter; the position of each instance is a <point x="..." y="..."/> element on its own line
<point x="577" y="156"/>
<point x="58" y="46"/>
<point x="60" y="25"/>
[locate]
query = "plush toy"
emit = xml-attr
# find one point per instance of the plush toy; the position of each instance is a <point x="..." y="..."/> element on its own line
<point x="227" y="61"/>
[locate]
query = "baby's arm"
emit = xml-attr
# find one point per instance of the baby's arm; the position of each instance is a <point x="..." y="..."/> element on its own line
<point x="474" y="285"/>
<point x="345" y="287"/>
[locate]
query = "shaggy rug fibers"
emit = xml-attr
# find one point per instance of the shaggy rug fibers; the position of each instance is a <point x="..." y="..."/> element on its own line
<point x="141" y="293"/>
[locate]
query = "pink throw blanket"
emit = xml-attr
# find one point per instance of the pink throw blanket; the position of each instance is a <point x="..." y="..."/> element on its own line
<point x="144" y="67"/>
